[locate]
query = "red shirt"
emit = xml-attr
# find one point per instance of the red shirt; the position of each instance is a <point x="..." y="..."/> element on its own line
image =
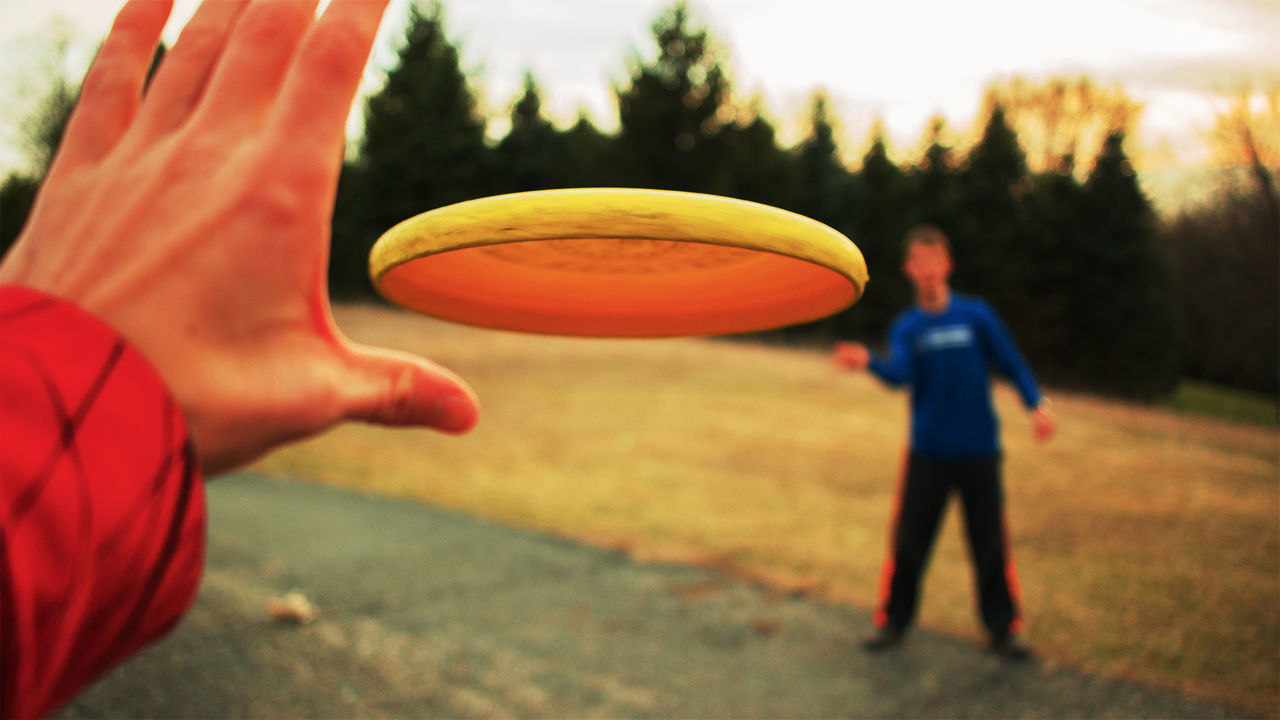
<point x="102" y="518"/>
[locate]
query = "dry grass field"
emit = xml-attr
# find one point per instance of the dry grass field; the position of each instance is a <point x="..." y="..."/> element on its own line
<point x="1148" y="543"/>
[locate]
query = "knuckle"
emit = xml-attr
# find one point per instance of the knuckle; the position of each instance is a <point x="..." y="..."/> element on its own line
<point x="274" y="204"/>
<point x="395" y="410"/>
<point x="270" y="23"/>
<point x="399" y="406"/>
<point x="110" y="81"/>
<point x="336" y="48"/>
<point x="202" y="41"/>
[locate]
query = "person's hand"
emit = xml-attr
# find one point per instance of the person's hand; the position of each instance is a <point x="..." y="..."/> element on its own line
<point x="196" y="222"/>
<point x="852" y="356"/>
<point x="1043" y="422"/>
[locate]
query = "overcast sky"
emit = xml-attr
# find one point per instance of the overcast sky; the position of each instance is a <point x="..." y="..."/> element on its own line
<point x="901" y="61"/>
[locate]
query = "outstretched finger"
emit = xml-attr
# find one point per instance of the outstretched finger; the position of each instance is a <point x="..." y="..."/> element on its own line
<point x="255" y="62"/>
<point x="186" y="69"/>
<point x="112" y="90"/>
<point x="311" y="114"/>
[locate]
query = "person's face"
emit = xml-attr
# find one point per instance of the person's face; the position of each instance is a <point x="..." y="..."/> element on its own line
<point x="928" y="267"/>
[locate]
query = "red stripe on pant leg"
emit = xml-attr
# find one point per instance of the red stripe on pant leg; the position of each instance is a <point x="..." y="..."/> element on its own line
<point x="881" y="616"/>
<point x="1011" y="578"/>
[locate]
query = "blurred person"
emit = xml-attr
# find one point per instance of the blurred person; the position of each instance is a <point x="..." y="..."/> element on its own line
<point x="164" y="316"/>
<point x="944" y="349"/>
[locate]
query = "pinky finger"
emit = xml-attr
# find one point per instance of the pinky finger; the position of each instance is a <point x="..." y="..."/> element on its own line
<point x="112" y="91"/>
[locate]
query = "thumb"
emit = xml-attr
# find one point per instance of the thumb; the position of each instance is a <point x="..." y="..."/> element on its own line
<point x="388" y="387"/>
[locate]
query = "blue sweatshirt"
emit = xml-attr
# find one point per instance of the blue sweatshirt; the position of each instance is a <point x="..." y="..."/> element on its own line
<point x="946" y="358"/>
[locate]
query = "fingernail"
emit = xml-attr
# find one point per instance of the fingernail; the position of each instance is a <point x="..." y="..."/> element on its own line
<point x="457" y="412"/>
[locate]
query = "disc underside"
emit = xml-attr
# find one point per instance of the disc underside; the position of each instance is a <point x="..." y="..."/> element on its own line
<point x="617" y="263"/>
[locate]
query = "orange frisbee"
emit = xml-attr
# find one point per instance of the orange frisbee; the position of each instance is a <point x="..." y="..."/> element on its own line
<point x="613" y="262"/>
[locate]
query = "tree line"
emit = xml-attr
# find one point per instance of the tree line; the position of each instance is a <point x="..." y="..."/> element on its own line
<point x="1046" y="216"/>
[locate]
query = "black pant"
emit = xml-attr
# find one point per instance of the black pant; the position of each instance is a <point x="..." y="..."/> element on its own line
<point x="926" y="488"/>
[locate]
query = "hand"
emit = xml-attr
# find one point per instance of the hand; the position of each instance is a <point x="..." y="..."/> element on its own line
<point x="1043" y="423"/>
<point x="196" y="222"/>
<point x="852" y="356"/>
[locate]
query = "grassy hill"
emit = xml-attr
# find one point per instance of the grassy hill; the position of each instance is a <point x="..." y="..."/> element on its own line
<point x="1146" y="541"/>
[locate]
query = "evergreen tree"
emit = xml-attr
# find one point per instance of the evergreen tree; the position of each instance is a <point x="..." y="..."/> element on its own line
<point x="671" y="116"/>
<point x="988" y="246"/>
<point x="755" y="167"/>
<point x="1057" y="225"/>
<point x="589" y="157"/>
<point x="17" y="195"/>
<point x="44" y="129"/>
<point x="881" y="216"/>
<point x="531" y="156"/>
<point x="352" y="236"/>
<point x="825" y="184"/>
<point x="423" y="148"/>
<point x="935" y="181"/>
<point x="1123" y="314"/>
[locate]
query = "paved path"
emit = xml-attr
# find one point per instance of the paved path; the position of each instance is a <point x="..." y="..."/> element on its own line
<point x="425" y="613"/>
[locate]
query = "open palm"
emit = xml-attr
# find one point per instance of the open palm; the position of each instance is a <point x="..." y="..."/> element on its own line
<point x="196" y="222"/>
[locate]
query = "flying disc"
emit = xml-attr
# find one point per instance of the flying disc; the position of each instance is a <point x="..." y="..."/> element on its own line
<point x="612" y="262"/>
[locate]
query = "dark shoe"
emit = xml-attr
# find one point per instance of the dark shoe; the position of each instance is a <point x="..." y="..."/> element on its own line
<point x="1008" y="648"/>
<point x="885" y="638"/>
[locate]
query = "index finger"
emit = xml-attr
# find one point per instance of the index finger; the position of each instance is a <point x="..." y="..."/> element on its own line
<point x="310" y="116"/>
<point x="112" y="91"/>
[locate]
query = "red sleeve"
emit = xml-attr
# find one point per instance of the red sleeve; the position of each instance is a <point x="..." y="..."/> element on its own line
<point x="102" y="524"/>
